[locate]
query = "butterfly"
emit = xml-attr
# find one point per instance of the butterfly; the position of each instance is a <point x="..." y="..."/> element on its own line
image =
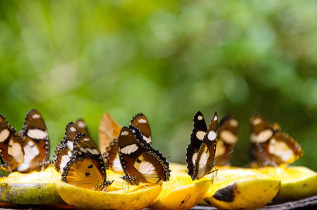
<point x="27" y="150"/>
<point x="64" y="150"/>
<point x="86" y="168"/>
<point x="270" y="145"/>
<point x="109" y="129"/>
<point x="140" y="162"/>
<point x="111" y="155"/>
<point x="200" y="155"/>
<point x="227" y="139"/>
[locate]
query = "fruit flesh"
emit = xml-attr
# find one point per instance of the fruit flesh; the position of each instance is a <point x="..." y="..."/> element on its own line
<point x="132" y="198"/>
<point x="181" y="192"/>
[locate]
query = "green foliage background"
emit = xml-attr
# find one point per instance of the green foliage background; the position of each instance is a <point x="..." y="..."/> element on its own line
<point x="165" y="58"/>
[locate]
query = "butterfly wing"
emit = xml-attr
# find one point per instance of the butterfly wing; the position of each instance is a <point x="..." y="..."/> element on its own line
<point x="196" y="139"/>
<point x="11" y="146"/>
<point x="140" y="162"/>
<point x="37" y="146"/>
<point x="108" y="130"/>
<point x="281" y="149"/>
<point x="64" y="150"/>
<point x="261" y="130"/>
<point x="205" y="161"/>
<point x="81" y="126"/>
<point x="271" y="146"/>
<point x="86" y="167"/>
<point x="141" y="122"/>
<point x="227" y="139"/>
<point x="111" y="156"/>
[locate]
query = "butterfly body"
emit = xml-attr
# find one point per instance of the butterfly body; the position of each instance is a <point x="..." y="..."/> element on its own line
<point x="200" y="155"/>
<point x="140" y="162"/>
<point x="270" y="145"/>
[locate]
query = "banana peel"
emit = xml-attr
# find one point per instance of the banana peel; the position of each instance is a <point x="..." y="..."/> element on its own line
<point x="249" y="192"/>
<point x="181" y="192"/>
<point x="137" y="197"/>
<point x="30" y="188"/>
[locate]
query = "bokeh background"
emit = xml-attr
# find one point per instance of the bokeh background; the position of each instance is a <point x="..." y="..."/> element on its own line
<point x="167" y="59"/>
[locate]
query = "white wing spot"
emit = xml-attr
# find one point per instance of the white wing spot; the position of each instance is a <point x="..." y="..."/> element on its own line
<point x="280" y="149"/>
<point x="83" y="150"/>
<point x="124" y="133"/>
<point x="70" y="145"/>
<point x="200" y="117"/>
<point x="147" y="139"/>
<point x="30" y="152"/>
<point x="72" y="129"/>
<point x="37" y="134"/>
<point x="233" y="122"/>
<point x="146" y="168"/>
<point x="15" y="150"/>
<point x="262" y="137"/>
<point x="215" y="118"/>
<point x="212" y="135"/>
<point x="194" y="157"/>
<point x="142" y="121"/>
<point x="256" y="121"/>
<point x="4" y="135"/>
<point x="200" y="135"/>
<point x="228" y="137"/>
<point x="36" y="116"/>
<point x="81" y="124"/>
<point x="129" y="149"/>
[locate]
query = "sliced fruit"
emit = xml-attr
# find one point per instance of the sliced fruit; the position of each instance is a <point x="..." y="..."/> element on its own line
<point x="181" y="192"/>
<point x="178" y="167"/>
<point x="296" y="182"/>
<point x="136" y="197"/>
<point x="30" y="188"/>
<point x="249" y="192"/>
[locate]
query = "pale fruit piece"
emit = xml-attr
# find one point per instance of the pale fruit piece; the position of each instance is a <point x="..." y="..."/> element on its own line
<point x="177" y="167"/>
<point x="30" y="188"/>
<point x="249" y="192"/>
<point x="134" y="198"/>
<point x="296" y="182"/>
<point x="181" y="192"/>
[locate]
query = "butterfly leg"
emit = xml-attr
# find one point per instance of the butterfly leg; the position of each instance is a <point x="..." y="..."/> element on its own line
<point x="130" y="180"/>
<point x="5" y="167"/>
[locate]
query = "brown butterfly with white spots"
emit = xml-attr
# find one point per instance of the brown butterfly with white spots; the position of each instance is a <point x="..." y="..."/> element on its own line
<point x="227" y="139"/>
<point x="200" y="155"/>
<point x="270" y="145"/>
<point x="111" y="155"/>
<point x="140" y="162"/>
<point x="64" y="150"/>
<point x="86" y="167"/>
<point x="25" y="151"/>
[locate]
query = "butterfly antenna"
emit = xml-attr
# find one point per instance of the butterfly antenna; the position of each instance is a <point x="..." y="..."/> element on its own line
<point x="225" y="155"/>
<point x="143" y="185"/>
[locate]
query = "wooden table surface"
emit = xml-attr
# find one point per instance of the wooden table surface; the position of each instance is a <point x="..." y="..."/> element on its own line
<point x="307" y="203"/>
